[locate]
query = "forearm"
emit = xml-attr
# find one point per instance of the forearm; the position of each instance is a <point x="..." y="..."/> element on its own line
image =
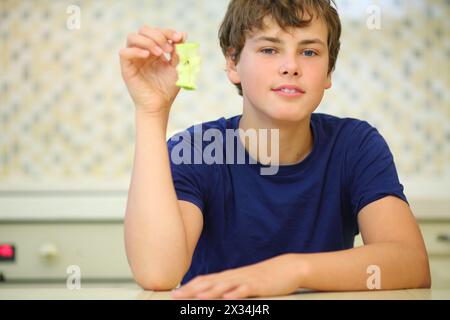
<point x="154" y="231"/>
<point x="401" y="266"/>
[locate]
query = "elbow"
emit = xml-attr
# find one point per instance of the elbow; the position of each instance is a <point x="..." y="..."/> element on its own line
<point x="417" y="264"/>
<point x="426" y="284"/>
<point x="158" y="285"/>
<point x="157" y="282"/>
<point x="161" y="278"/>
<point x="424" y="274"/>
<point x="157" y="277"/>
<point x="425" y="281"/>
<point x="426" y="278"/>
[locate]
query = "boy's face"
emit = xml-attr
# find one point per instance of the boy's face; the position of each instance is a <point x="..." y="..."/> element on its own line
<point x="283" y="74"/>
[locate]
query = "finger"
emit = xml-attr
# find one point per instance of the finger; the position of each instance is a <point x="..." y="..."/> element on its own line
<point x="237" y="293"/>
<point x="217" y="291"/>
<point x="173" y="36"/>
<point x="126" y="57"/>
<point x="191" y="289"/>
<point x="140" y="41"/>
<point x="174" y="57"/>
<point x="133" y="53"/>
<point x="184" y="36"/>
<point x="161" y="37"/>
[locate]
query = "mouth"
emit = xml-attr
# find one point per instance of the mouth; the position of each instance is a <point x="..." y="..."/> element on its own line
<point x="288" y="90"/>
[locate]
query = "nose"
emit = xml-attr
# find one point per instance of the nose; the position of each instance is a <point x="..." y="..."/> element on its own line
<point x="290" y="66"/>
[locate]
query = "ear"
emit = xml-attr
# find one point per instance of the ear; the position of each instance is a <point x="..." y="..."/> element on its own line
<point x="231" y="66"/>
<point x="328" y="81"/>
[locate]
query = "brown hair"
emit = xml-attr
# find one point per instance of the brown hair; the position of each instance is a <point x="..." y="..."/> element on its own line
<point x="245" y="16"/>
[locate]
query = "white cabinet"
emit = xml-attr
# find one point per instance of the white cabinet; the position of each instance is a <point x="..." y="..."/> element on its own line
<point x="45" y="250"/>
<point x="437" y="240"/>
<point x="52" y="233"/>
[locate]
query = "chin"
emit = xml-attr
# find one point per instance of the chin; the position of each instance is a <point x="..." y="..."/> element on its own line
<point x="288" y="114"/>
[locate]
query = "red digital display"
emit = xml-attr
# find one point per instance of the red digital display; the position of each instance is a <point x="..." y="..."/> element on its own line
<point x="7" y="252"/>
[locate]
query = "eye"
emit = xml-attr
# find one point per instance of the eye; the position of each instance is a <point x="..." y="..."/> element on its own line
<point x="268" y="51"/>
<point x="309" y="53"/>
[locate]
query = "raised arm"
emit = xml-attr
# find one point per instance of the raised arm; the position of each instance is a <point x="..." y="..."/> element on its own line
<point x="160" y="231"/>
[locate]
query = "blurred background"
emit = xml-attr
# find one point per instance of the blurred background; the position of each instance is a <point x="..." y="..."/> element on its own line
<point x="67" y="121"/>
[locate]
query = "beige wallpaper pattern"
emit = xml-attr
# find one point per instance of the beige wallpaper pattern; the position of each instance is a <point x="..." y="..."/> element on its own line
<point x="66" y="119"/>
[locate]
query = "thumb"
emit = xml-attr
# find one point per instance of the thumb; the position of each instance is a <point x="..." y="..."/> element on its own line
<point x="174" y="58"/>
<point x="184" y="37"/>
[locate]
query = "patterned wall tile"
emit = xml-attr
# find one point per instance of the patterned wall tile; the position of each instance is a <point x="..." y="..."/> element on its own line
<point x="66" y="117"/>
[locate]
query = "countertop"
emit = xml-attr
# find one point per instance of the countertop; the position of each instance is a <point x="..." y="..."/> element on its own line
<point x="130" y="291"/>
<point x="109" y="205"/>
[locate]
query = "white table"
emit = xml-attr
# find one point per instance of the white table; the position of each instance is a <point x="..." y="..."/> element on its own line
<point x="130" y="291"/>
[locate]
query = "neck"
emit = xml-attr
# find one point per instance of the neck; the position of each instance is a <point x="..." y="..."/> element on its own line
<point x="295" y="138"/>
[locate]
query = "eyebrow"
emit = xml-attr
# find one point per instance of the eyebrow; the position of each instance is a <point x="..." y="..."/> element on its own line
<point x="278" y="40"/>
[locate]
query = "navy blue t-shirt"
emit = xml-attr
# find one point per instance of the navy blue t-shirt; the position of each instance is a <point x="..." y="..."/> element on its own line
<point x="311" y="206"/>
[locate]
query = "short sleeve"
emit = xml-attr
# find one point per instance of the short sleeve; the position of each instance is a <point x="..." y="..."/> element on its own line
<point x="191" y="180"/>
<point x="371" y="168"/>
